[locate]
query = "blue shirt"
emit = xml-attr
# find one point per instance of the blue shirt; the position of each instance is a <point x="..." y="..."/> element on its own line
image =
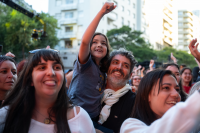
<point x="87" y="86"/>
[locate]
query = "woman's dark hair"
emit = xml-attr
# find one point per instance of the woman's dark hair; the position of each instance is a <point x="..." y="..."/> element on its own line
<point x="170" y="64"/>
<point x="142" y="109"/>
<point x="20" y="66"/>
<point x="6" y="58"/>
<point x="181" y="92"/>
<point x="182" y="71"/>
<point x="103" y="62"/>
<point x="21" y="100"/>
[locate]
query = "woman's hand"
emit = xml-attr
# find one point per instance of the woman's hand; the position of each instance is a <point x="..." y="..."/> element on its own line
<point x="151" y="65"/>
<point x="10" y="54"/>
<point x="193" y="49"/>
<point x="108" y="7"/>
<point x="173" y="58"/>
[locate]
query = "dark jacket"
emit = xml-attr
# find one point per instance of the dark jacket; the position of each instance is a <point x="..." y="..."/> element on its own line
<point x="120" y="111"/>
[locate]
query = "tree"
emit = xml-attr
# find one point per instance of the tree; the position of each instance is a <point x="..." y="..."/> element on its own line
<point x="16" y="30"/>
<point x="124" y="37"/>
<point x="182" y="56"/>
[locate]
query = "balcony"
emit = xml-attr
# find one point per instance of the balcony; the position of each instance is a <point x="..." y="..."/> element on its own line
<point x="186" y="26"/>
<point x="167" y="40"/>
<point x="167" y="33"/>
<point x="69" y="7"/>
<point x="166" y="25"/>
<point x="188" y="20"/>
<point x="187" y="15"/>
<point x="67" y="35"/>
<point x="166" y="18"/>
<point x="67" y="21"/>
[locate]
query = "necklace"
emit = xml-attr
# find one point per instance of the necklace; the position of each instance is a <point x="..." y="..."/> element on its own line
<point x="46" y="120"/>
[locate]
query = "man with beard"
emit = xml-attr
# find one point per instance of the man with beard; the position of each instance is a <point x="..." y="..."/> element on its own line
<point x="118" y="99"/>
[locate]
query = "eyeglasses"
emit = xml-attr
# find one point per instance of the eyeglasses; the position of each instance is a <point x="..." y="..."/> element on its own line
<point x="36" y="50"/>
<point x="137" y="79"/>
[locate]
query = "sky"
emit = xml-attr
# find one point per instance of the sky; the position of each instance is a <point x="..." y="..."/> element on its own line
<point x="42" y="5"/>
<point x="39" y="5"/>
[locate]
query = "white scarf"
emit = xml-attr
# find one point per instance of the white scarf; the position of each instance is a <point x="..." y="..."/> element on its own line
<point x="111" y="97"/>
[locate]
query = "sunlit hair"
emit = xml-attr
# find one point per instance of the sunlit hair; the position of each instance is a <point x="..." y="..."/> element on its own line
<point x="103" y="62"/>
<point x="21" y="100"/>
<point x="142" y="109"/>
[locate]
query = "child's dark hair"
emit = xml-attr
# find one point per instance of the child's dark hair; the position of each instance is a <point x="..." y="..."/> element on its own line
<point x="103" y="62"/>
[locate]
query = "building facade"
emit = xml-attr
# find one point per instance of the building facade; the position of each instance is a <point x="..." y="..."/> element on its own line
<point x="74" y="16"/>
<point x="185" y="29"/>
<point x="163" y="28"/>
<point x="141" y="19"/>
<point x="188" y="28"/>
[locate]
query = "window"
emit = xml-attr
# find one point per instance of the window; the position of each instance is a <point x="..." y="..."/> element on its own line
<point x="58" y="2"/>
<point x="122" y="21"/>
<point x="57" y="15"/>
<point x="180" y="13"/>
<point x="129" y="23"/>
<point x="129" y="2"/>
<point x="69" y="15"/>
<point x="80" y="14"/>
<point x="122" y="8"/>
<point x="180" y="24"/>
<point x="68" y="44"/>
<point x="133" y="15"/>
<point x="133" y="5"/>
<point x="69" y="29"/>
<point x="69" y="1"/>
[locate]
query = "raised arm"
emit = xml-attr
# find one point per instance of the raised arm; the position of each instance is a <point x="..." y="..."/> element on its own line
<point x="193" y="49"/>
<point x="85" y="46"/>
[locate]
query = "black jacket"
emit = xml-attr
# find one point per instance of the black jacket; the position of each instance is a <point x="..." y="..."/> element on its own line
<point x="120" y="111"/>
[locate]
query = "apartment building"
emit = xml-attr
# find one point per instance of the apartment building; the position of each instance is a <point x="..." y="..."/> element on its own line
<point x="188" y="28"/>
<point x="141" y="18"/>
<point x="74" y="16"/>
<point x="162" y="16"/>
<point x="185" y="29"/>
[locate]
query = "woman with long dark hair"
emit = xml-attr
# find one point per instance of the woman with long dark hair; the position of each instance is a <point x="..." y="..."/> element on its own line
<point x="8" y="76"/>
<point x="157" y="109"/>
<point x="38" y="102"/>
<point x="186" y="79"/>
<point x="174" y="68"/>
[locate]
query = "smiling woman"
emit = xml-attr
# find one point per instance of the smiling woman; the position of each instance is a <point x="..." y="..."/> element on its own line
<point x="157" y="109"/>
<point x="39" y="98"/>
<point x="8" y="76"/>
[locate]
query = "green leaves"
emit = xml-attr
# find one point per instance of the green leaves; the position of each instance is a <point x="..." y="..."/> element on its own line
<point x="16" y="30"/>
<point x="124" y="37"/>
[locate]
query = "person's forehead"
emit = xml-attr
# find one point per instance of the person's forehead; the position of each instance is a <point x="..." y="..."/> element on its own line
<point x="172" y="68"/>
<point x="8" y="64"/>
<point x="121" y="58"/>
<point x="99" y="37"/>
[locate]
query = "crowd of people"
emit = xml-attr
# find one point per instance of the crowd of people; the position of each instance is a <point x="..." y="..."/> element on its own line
<point x="105" y="91"/>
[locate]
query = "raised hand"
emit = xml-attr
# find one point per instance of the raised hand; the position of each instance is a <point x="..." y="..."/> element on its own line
<point x="193" y="49"/>
<point x="151" y="64"/>
<point x="143" y="68"/>
<point x="173" y="58"/>
<point x="10" y="54"/>
<point x="108" y="7"/>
